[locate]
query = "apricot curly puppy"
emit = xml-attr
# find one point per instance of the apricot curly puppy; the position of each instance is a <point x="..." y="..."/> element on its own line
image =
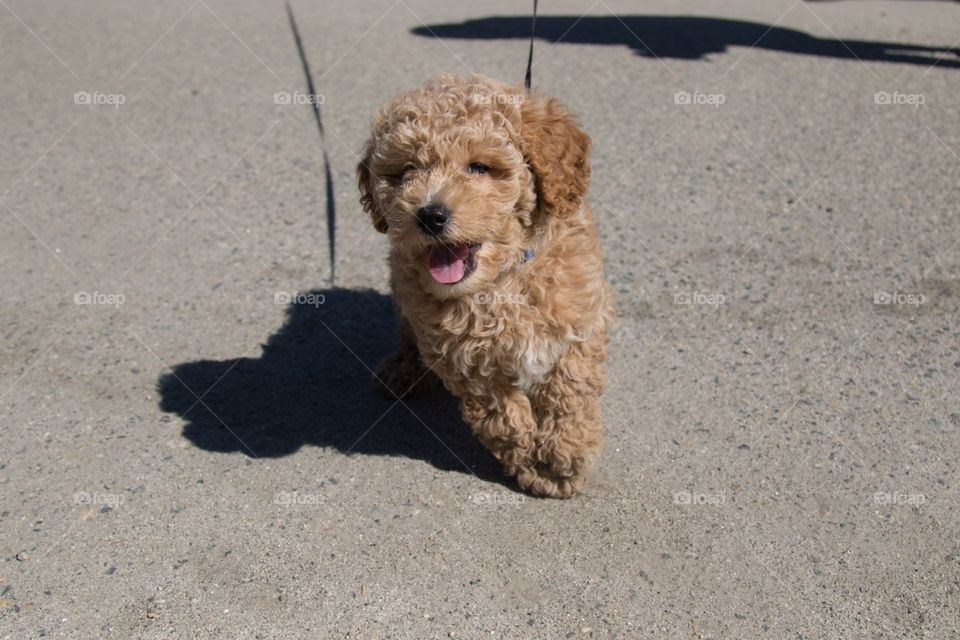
<point x="496" y="269"/>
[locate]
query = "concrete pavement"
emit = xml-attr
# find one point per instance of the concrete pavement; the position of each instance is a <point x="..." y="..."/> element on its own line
<point x="190" y="445"/>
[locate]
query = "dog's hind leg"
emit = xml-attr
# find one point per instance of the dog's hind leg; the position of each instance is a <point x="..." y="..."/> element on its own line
<point x="402" y="373"/>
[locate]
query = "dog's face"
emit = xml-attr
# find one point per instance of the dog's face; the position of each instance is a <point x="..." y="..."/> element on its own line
<point x="462" y="172"/>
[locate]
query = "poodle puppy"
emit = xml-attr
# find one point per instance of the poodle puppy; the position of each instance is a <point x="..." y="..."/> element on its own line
<point x="496" y="269"/>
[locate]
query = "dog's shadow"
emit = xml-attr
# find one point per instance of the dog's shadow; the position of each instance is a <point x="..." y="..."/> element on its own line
<point x="312" y="386"/>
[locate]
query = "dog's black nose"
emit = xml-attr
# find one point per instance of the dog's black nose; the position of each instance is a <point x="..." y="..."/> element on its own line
<point x="433" y="218"/>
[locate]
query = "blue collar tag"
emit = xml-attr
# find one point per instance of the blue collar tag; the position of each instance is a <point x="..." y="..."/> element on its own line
<point x="528" y="255"/>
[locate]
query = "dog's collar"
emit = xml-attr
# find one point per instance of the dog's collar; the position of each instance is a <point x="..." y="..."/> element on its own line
<point x="528" y="255"/>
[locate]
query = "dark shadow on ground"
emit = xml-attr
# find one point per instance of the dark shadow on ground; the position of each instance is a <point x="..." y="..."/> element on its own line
<point x="688" y="38"/>
<point x="309" y="387"/>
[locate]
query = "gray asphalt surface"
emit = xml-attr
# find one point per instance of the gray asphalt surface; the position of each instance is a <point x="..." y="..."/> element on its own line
<point x="186" y="453"/>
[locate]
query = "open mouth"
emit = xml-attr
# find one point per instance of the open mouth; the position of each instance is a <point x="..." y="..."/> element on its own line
<point x="450" y="264"/>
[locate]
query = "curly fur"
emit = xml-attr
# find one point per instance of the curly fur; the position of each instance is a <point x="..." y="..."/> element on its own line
<point x="521" y="344"/>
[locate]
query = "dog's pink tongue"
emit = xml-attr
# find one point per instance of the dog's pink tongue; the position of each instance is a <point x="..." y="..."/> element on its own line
<point x="448" y="264"/>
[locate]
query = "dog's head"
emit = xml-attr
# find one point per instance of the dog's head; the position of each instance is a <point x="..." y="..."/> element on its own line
<point x="463" y="174"/>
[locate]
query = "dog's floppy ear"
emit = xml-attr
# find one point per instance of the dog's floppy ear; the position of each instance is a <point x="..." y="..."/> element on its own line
<point x="365" y="184"/>
<point x="556" y="150"/>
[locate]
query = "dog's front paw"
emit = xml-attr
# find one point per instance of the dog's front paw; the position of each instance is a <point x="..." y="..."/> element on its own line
<point x="556" y="472"/>
<point x="541" y="480"/>
<point x="402" y="374"/>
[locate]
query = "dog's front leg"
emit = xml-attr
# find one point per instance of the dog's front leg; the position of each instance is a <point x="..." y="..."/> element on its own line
<point x="569" y="429"/>
<point x="505" y="424"/>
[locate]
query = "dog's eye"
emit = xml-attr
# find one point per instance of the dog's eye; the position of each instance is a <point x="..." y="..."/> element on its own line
<point x="405" y="172"/>
<point x="477" y="168"/>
